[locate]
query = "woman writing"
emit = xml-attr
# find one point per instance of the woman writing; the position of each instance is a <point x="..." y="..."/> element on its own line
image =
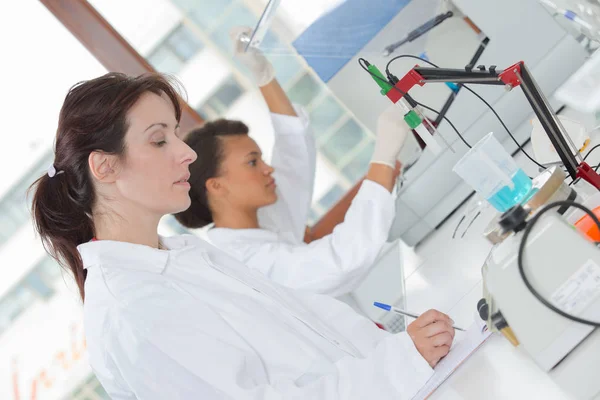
<point x="175" y="317"/>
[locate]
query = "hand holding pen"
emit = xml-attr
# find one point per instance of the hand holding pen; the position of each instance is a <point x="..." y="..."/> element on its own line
<point x="432" y="333"/>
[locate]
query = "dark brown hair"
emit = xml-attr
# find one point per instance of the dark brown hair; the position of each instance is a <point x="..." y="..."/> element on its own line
<point x="206" y="142"/>
<point x="93" y="118"/>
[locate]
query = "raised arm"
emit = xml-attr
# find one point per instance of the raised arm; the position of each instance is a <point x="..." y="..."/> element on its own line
<point x="294" y="151"/>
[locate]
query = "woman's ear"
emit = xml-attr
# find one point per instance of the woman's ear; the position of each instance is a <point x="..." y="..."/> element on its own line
<point x="215" y="188"/>
<point x="103" y="166"/>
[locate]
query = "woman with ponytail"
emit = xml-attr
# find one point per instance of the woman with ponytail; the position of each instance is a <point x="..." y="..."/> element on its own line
<point x="177" y="318"/>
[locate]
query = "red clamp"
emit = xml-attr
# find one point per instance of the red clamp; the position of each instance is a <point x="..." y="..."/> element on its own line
<point x="584" y="171"/>
<point x="509" y="75"/>
<point x="408" y="81"/>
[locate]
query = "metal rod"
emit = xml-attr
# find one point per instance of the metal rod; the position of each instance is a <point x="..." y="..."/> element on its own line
<point x="445" y="108"/>
<point x="453" y="73"/>
<point x="547" y="120"/>
<point x="554" y="116"/>
<point x="452" y="96"/>
<point x="492" y="80"/>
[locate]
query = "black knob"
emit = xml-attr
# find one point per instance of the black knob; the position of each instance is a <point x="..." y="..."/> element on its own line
<point x="481" y="67"/>
<point x="483" y="309"/>
<point x="514" y="220"/>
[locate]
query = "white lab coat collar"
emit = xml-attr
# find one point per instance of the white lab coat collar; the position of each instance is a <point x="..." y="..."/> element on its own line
<point x="225" y="233"/>
<point x="220" y="236"/>
<point x="133" y="256"/>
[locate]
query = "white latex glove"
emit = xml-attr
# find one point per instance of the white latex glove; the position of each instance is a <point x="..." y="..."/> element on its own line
<point x="253" y="59"/>
<point x="392" y="132"/>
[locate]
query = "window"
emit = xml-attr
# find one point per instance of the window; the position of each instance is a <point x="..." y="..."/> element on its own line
<point x="331" y="197"/>
<point x="14" y="304"/>
<point x="325" y="114"/>
<point x="222" y="99"/>
<point x="357" y="167"/>
<point x="14" y="207"/>
<point x="305" y="90"/>
<point x="39" y="283"/>
<point x="163" y="60"/>
<point x="240" y="15"/>
<point x="340" y="145"/>
<point x="206" y="13"/>
<point x="43" y="278"/>
<point x="184" y="43"/>
<point x="178" y="48"/>
<point x="287" y="67"/>
<point x="313" y="217"/>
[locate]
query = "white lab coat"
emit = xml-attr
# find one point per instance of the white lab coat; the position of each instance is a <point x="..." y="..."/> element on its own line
<point x="192" y="322"/>
<point x="333" y="265"/>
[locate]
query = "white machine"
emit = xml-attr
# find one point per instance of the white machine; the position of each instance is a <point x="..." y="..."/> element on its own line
<point x="562" y="266"/>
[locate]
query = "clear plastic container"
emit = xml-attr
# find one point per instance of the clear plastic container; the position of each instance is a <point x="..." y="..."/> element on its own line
<point x="493" y="173"/>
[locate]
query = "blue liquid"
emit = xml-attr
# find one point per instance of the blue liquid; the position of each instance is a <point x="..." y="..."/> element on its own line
<point x="506" y="197"/>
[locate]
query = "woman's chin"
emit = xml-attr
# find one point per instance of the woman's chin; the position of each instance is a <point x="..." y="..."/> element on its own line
<point x="182" y="205"/>
<point x="272" y="199"/>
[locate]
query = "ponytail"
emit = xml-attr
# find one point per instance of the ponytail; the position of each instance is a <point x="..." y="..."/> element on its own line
<point x="206" y="143"/>
<point x="61" y="217"/>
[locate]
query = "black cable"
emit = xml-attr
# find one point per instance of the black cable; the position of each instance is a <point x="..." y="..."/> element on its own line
<point x="576" y="180"/>
<point x="505" y="127"/>
<point x="523" y="244"/>
<point x="387" y="71"/>
<point x="590" y="152"/>
<point x="387" y="66"/>
<point x="458" y="226"/>
<point x="362" y="60"/>
<point x="447" y="120"/>
<point x="585" y="158"/>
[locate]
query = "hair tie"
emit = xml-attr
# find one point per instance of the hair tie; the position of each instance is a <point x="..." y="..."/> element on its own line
<point x="52" y="172"/>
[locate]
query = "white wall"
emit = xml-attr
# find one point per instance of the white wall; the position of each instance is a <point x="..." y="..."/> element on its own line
<point x="143" y="23"/>
<point x="40" y="61"/>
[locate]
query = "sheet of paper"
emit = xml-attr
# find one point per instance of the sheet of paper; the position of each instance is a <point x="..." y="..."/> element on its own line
<point x="471" y="340"/>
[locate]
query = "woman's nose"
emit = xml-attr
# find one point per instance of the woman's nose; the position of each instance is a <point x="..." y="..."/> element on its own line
<point x="188" y="155"/>
<point x="268" y="169"/>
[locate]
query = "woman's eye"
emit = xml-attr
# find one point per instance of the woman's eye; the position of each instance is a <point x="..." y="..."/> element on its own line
<point x="161" y="143"/>
<point x="253" y="163"/>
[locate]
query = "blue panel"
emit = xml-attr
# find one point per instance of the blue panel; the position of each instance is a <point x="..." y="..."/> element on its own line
<point x="331" y="41"/>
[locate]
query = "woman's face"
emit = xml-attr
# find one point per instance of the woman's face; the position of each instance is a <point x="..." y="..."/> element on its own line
<point x="154" y="172"/>
<point x="245" y="178"/>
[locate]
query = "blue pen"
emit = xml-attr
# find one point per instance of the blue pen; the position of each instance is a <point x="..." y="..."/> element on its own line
<point x="387" y="307"/>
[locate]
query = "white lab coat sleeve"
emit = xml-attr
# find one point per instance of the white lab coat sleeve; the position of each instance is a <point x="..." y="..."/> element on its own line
<point x="337" y="263"/>
<point x="294" y="159"/>
<point x="163" y="356"/>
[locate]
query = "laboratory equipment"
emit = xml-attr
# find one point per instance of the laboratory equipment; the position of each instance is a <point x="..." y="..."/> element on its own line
<point x="553" y="258"/>
<point x="584" y="14"/>
<point x="563" y="267"/>
<point x="515" y="75"/>
<point x="493" y="173"/>
<point x="418" y="32"/>
<point x="549" y="186"/>
<point x="413" y="117"/>
<point x="332" y="43"/>
<point x="262" y="27"/>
